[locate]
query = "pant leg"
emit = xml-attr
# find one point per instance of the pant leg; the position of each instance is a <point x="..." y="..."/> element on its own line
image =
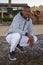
<point x="24" y="41"/>
<point x="8" y="39"/>
<point x="13" y="40"/>
<point x="35" y="39"/>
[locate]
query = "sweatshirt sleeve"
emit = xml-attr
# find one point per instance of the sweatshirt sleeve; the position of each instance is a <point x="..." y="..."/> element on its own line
<point x="30" y="28"/>
<point x="15" y="27"/>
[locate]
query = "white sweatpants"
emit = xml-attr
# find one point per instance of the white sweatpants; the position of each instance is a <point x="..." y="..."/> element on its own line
<point x="14" y="38"/>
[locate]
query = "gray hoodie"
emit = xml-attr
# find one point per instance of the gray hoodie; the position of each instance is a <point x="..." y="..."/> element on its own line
<point x="21" y="25"/>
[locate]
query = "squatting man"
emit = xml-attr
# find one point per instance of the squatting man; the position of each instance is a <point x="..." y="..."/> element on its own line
<point x="20" y="33"/>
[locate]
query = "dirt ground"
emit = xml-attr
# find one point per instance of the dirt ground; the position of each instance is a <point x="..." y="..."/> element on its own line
<point x="33" y="56"/>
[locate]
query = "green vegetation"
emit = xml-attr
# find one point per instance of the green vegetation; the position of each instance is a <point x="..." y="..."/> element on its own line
<point x="6" y="16"/>
<point x="7" y="19"/>
<point x="15" y="12"/>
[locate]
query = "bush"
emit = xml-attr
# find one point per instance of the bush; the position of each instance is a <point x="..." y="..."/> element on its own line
<point x="15" y="11"/>
<point x="7" y="19"/>
<point x="0" y="13"/>
<point x="5" y="13"/>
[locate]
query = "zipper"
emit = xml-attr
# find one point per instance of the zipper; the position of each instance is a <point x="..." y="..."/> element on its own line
<point x="24" y="25"/>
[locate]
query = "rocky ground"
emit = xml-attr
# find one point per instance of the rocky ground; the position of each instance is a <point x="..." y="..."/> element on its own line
<point x="33" y="56"/>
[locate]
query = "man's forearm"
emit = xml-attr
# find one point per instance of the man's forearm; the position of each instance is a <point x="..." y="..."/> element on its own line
<point x="31" y="39"/>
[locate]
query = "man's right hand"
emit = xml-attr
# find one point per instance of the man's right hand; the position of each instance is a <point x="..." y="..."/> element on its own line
<point x="31" y="40"/>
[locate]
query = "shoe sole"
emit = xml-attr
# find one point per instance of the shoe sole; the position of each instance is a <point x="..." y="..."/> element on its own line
<point x="10" y="58"/>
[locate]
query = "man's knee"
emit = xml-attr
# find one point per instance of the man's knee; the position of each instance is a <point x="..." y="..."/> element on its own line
<point x="35" y="39"/>
<point x="13" y="36"/>
<point x="8" y="37"/>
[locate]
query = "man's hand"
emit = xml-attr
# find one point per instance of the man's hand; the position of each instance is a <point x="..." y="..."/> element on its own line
<point x="31" y="40"/>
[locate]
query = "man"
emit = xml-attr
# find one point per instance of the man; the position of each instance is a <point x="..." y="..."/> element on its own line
<point x="20" y="33"/>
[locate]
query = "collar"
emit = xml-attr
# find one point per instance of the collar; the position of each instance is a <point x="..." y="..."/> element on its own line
<point x="24" y="17"/>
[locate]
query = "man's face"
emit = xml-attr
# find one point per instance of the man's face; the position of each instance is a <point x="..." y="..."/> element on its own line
<point x="26" y="12"/>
